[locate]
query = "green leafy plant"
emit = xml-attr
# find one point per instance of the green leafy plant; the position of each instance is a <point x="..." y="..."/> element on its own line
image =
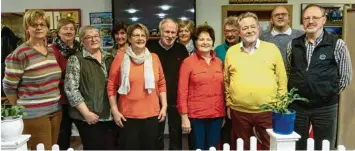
<point x="283" y="101"/>
<point x="12" y="111"/>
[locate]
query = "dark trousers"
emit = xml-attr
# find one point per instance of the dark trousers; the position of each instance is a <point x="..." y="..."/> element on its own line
<point x="95" y="136"/>
<point x="140" y="134"/>
<point x="243" y="124"/>
<point x="175" y="131"/>
<point x="205" y="132"/>
<point x="226" y="132"/>
<point x="64" y="135"/>
<point x="324" y="123"/>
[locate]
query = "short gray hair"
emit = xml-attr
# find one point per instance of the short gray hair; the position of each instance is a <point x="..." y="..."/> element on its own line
<point x="84" y="29"/>
<point x="231" y="21"/>
<point x="246" y="15"/>
<point x="165" y="20"/>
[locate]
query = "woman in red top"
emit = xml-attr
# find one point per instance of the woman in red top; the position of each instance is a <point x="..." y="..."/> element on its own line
<point x="138" y="77"/>
<point x="64" y="46"/>
<point x="201" y="92"/>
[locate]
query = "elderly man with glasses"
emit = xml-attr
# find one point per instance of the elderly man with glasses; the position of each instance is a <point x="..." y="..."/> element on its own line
<point x="319" y="65"/>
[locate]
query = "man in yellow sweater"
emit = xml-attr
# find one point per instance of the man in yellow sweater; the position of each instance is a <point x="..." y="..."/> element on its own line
<point x="254" y="75"/>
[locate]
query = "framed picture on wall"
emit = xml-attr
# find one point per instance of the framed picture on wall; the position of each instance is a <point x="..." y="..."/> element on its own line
<point x="333" y="12"/>
<point x="335" y="30"/>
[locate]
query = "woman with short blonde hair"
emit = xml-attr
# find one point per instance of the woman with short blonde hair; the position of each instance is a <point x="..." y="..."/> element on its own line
<point x="186" y="28"/>
<point x="32" y="75"/>
<point x="138" y="77"/>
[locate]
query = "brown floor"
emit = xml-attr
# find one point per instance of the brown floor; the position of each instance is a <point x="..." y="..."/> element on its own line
<point x="76" y="143"/>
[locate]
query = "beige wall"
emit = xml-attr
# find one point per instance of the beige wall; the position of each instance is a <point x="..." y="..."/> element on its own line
<point x="206" y="10"/>
<point x="86" y="6"/>
<point x="210" y="11"/>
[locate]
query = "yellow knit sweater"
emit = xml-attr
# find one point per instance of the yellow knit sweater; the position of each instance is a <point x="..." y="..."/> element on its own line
<point x="253" y="79"/>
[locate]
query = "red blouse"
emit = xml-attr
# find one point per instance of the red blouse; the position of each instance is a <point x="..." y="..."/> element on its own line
<point x="201" y="89"/>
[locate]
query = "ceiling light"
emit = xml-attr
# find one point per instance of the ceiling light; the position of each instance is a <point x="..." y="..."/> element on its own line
<point x="165" y="7"/>
<point x="191" y="10"/>
<point x="183" y="18"/>
<point x="131" y="10"/>
<point x="134" y="18"/>
<point x="161" y="15"/>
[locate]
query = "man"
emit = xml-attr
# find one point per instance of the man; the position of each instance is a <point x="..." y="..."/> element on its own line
<point x="171" y="55"/>
<point x="281" y="33"/>
<point x="231" y="36"/>
<point x="319" y="66"/>
<point x="254" y="74"/>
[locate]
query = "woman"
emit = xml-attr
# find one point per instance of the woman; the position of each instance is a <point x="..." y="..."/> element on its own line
<point x="119" y="35"/>
<point x="32" y="75"/>
<point x="64" y="46"/>
<point x="201" y="91"/>
<point x="138" y="77"/>
<point x="85" y="87"/>
<point x="186" y="28"/>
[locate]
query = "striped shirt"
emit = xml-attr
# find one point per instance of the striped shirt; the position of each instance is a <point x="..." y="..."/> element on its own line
<point x="341" y="54"/>
<point x="34" y="77"/>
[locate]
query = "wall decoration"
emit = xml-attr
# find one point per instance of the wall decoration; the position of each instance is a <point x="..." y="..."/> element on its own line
<point x="263" y="13"/>
<point x="103" y="22"/>
<point x="335" y="30"/>
<point x="255" y="1"/>
<point x="333" y="12"/>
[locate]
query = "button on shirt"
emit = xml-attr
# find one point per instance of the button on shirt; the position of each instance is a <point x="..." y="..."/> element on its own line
<point x="201" y="89"/>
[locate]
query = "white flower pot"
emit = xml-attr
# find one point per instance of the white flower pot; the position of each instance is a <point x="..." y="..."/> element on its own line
<point x="11" y="129"/>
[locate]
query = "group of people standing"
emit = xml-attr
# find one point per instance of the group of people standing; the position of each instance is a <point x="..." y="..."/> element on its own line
<point x="120" y="100"/>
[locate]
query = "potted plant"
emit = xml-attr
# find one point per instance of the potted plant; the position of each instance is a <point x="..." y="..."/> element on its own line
<point x="283" y="118"/>
<point x="11" y="121"/>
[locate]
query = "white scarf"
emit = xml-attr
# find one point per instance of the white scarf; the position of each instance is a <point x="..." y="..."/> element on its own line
<point x="149" y="82"/>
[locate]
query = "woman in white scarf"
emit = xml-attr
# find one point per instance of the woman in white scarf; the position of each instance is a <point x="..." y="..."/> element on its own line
<point x="137" y="76"/>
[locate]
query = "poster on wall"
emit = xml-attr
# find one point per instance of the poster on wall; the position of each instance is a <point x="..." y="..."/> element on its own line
<point x="103" y="22"/>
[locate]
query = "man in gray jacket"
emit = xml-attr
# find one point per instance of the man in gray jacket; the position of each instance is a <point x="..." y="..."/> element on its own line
<point x="281" y="33"/>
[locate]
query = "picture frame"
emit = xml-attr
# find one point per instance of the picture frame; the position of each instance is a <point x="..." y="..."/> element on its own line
<point x="333" y="11"/>
<point x="335" y="30"/>
<point x="263" y="13"/>
<point x="256" y="1"/>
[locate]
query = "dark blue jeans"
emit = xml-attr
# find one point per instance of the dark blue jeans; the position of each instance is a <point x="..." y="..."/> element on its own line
<point x="206" y="132"/>
<point x="324" y="122"/>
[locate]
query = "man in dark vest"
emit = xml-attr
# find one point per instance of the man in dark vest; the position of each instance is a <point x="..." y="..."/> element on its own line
<point x="319" y="65"/>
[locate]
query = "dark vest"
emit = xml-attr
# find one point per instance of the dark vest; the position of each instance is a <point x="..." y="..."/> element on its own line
<point x="93" y="86"/>
<point x="320" y="82"/>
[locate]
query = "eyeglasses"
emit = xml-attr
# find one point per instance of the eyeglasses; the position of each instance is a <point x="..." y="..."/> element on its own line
<point x="314" y="18"/>
<point x="280" y="14"/>
<point x="92" y="37"/>
<point x="138" y="35"/>
<point x="36" y="25"/>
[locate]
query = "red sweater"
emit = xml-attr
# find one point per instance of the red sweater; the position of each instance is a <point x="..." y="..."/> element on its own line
<point x="62" y="61"/>
<point x="201" y="90"/>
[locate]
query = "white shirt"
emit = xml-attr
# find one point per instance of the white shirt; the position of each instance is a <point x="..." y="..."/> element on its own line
<point x="275" y="33"/>
<point x="253" y="49"/>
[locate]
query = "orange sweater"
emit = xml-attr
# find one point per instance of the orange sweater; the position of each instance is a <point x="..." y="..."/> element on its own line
<point x="137" y="103"/>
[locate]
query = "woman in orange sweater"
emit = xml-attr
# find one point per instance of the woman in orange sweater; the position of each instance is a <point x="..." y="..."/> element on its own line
<point x="138" y="77"/>
<point x="201" y="91"/>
